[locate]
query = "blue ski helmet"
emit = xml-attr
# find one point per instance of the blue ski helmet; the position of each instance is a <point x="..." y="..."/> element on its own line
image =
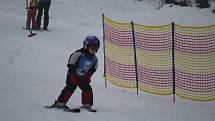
<point x="92" y="42"/>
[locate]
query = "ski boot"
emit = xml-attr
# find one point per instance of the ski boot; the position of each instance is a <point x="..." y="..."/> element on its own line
<point x="59" y="105"/>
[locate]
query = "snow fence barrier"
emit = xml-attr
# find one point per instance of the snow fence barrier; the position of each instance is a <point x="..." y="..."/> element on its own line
<point x="166" y="60"/>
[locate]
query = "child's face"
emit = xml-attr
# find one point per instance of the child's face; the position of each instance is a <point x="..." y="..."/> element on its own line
<point x="92" y="50"/>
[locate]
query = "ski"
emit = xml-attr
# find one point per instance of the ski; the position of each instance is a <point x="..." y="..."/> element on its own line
<point x="73" y="110"/>
<point x="92" y="110"/>
<point x="31" y="33"/>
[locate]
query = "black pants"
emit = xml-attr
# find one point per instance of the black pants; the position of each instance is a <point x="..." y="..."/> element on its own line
<point x="43" y="6"/>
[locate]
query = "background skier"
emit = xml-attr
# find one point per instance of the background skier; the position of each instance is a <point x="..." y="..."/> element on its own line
<point x="32" y="12"/>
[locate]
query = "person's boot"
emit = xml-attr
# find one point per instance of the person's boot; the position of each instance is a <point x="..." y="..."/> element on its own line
<point x="86" y="106"/>
<point x="45" y="28"/>
<point x="60" y="105"/>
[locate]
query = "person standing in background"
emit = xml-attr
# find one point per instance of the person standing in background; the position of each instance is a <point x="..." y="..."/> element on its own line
<point x="43" y="5"/>
<point x="32" y="12"/>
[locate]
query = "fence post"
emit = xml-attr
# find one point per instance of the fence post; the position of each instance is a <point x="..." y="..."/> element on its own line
<point x="104" y="75"/>
<point x="135" y="56"/>
<point x="173" y="60"/>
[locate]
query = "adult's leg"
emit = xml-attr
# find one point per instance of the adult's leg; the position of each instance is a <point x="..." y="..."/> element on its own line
<point x="46" y="15"/>
<point x="39" y="15"/>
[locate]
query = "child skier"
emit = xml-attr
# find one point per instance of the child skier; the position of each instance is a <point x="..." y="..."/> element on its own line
<point x="81" y="66"/>
<point x="31" y="15"/>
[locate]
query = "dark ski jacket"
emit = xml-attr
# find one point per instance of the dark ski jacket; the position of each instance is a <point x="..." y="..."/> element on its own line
<point x="82" y="62"/>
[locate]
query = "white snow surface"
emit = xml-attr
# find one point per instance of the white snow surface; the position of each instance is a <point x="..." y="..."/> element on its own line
<point x="33" y="70"/>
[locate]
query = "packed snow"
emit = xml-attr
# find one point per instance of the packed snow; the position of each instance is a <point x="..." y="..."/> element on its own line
<point x="33" y="70"/>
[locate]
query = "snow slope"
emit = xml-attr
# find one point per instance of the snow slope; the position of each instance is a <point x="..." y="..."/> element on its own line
<point x="33" y="70"/>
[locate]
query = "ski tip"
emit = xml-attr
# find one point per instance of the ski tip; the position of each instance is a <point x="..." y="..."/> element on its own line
<point x="31" y="35"/>
<point x="47" y="106"/>
<point x="93" y="110"/>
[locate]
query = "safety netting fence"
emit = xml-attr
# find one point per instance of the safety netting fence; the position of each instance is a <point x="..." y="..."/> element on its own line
<point x="119" y="55"/>
<point x="154" y="58"/>
<point x="164" y="60"/>
<point x="195" y="62"/>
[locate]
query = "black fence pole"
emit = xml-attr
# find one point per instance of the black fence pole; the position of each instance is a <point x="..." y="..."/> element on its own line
<point x="173" y="60"/>
<point x="135" y="56"/>
<point x="104" y="50"/>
